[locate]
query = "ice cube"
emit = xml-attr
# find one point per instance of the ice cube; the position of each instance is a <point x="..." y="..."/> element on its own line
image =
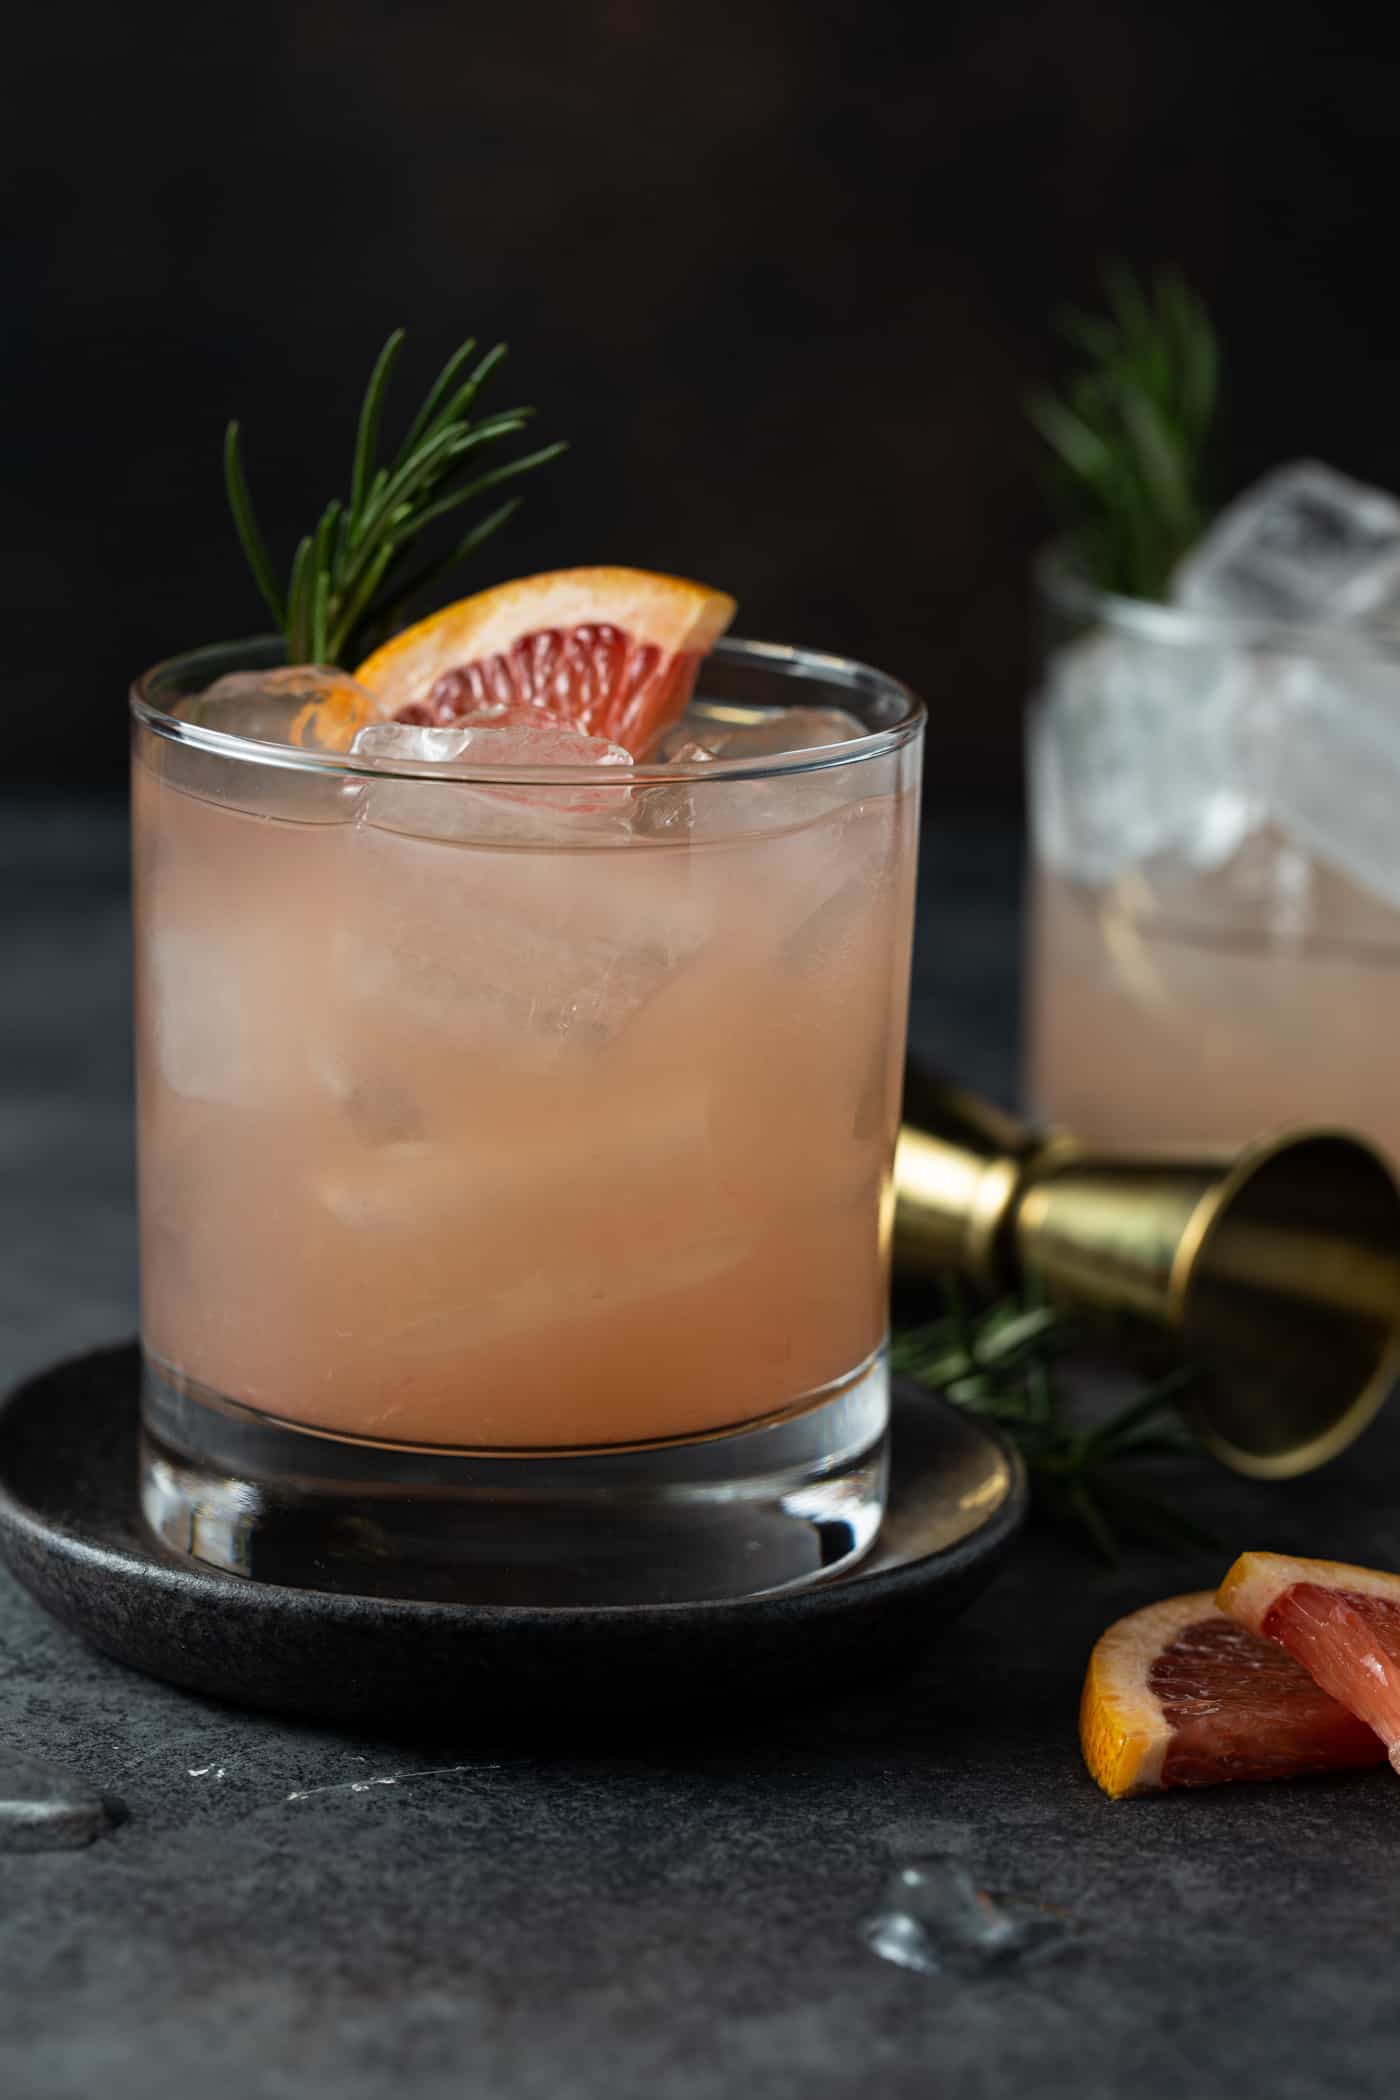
<point x="411" y="744"/>
<point x="666" y="810"/>
<point x="815" y="939"/>
<point x="508" y="978"/>
<point x="225" y="1008"/>
<point x="1269" y="890"/>
<point x="1305" y="544"/>
<point x="934" y="1918"/>
<point x="414" y="1187"/>
<point x="1140" y="746"/>
<point x="784" y="729"/>
<point x="468" y="811"/>
<point x="689" y="743"/>
<point x="305" y="704"/>
<point x="780" y="801"/>
<point x="1328" y="754"/>
<point x="539" y="741"/>
<point x="528" y="951"/>
<point x="691" y="752"/>
<point x="525" y="950"/>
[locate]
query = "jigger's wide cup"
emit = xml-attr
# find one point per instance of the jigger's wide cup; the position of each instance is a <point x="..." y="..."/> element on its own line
<point x="515" y="1149"/>
<point x="1276" y="1276"/>
<point x="1273" y="1274"/>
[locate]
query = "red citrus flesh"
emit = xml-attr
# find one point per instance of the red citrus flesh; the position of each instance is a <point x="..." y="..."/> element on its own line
<point x="1240" y="1708"/>
<point x="1350" y="1643"/>
<point x="604" y="681"/>
<point x="1180" y="1694"/>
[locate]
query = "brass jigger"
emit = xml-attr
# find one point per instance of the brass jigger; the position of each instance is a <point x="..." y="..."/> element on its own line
<point x="1275" y="1272"/>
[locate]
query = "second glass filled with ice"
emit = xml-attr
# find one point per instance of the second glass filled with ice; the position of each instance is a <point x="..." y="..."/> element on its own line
<point x="1215" y="947"/>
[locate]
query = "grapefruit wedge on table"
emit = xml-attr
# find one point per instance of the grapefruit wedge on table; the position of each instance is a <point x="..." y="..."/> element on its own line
<point x="1341" y="1624"/>
<point x="615" y="651"/>
<point x="1179" y="1694"/>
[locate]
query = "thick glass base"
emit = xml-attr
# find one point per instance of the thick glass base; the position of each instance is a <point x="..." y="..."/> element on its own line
<point x="768" y="1508"/>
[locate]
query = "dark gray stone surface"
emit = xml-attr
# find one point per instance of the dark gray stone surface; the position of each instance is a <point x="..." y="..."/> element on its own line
<point x="293" y="1911"/>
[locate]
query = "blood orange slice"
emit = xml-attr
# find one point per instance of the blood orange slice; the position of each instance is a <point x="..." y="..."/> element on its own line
<point x="1181" y="1695"/>
<point x="1342" y="1624"/>
<point x="615" y="651"/>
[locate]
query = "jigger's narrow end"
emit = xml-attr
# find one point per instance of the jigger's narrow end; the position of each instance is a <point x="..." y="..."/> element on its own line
<point x="1286" y="1287"/>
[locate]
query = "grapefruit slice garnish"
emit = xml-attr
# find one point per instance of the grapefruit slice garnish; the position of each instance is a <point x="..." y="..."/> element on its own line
<point x="614" y="651"/>
<point x="1181" y="1695"/>
<point x="1342" y="1624"/>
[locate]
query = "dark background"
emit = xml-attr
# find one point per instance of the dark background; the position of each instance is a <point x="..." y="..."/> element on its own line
<point x="783" y="274"/>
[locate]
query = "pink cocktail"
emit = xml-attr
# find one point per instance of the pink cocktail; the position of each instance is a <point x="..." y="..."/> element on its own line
<point x="1147" y="1031"/>
<point x="516" y="1148"/>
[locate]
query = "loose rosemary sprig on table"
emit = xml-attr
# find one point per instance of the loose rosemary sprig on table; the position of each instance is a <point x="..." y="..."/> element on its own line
<point x="1004" y="1363"/>
<point x="1130" y="433"/>
<point x="353" y="575"/>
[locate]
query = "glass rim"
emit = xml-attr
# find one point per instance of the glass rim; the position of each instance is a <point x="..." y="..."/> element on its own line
<point x="1062" y="583"/>
<point x="784" y="659"/>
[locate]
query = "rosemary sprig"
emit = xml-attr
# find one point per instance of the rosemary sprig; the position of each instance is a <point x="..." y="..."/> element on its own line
<point x="353" y="575"/>
<point x="1130" y="432"/>
<point x="1003" y="1363"/>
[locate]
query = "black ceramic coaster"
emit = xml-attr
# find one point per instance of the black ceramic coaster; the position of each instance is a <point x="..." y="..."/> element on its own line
<point x="71" y="1531"/>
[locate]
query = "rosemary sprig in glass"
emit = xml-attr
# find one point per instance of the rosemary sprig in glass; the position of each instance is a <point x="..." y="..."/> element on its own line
<point x="355" y="574"/>
<point x="1130" y="432"/>
<point x="1004" y="1363"/>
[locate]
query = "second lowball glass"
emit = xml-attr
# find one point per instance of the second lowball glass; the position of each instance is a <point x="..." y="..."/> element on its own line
<point x="1215" y="876"/>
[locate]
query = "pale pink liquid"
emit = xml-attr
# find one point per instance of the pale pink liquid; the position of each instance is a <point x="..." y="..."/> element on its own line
<point x="1146" y="1030"/>
<point x="504" y="1146"/>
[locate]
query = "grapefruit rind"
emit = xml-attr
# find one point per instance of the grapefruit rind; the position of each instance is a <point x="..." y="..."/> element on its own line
<point x="1257" y="1581"/>
<point x="1180" y="1694"/>
<point x="1122" y="1730"/>
<point x="674" y="615"/>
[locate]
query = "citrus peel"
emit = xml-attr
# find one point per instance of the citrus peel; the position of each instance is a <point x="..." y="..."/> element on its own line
<point x="1179" y="1694"/>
